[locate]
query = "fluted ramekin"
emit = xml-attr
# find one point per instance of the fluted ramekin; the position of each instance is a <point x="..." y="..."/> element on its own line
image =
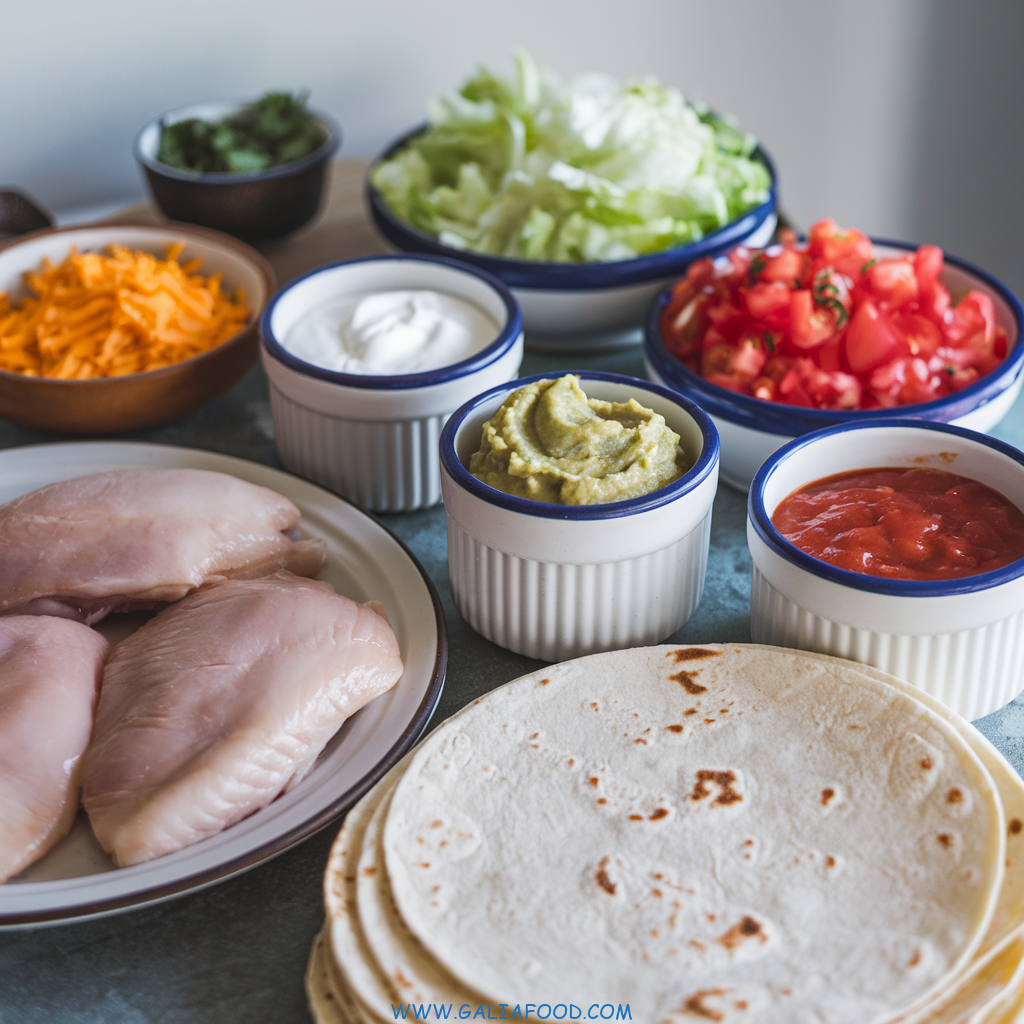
<point x="373" y="439"/>
<point x="558" y="581"/>
<point x="961" y="641"/>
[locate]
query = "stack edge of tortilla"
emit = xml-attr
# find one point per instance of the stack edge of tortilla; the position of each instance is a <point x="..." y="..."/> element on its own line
<point x="726" y="833"/>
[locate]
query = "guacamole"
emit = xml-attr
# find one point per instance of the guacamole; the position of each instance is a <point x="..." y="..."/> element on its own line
<point x="549" y="442"/>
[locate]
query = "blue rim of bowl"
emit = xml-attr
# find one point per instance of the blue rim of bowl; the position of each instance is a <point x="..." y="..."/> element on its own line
<point x="507" y="336"/>
<point x="547" y="276"/>
<point x="787" y="420"/>
<point x="332" y="142"/>
<point x="758" y="517"/>
<point x="705" y="465"/>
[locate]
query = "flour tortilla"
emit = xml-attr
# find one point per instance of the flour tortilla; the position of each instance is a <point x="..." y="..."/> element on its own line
<point x="328" y="1002"/>
<point x="1009" y="912"/>
<point x="357" y="976"/>
<point x="410" y="972"/>
<point x="594" y="846"/>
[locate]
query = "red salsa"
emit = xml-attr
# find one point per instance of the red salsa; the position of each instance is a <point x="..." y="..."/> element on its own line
<point x="903" y="524"/>
<point x="827" y="325"/>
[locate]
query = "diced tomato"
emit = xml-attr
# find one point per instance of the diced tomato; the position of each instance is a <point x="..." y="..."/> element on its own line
<point x="750" y="356"/>
<point x="830" y="355"/>
<point x="871" y="339"/>
<point x="904" y="381"/>
<point x="822" y="324"/>
<point x="809" y="325"/>
<point x="928" y="264"/>
<point x="892" y="281"/>
<point x="788" y="266"/>
<point x="934" y="301"/>
<point x="846" y="250"/>
<point x="922" y="337"/>
<point x="765" y="298"/>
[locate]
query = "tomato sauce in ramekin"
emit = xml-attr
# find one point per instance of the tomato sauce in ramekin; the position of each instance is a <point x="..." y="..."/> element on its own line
<point x="909" y="524"/>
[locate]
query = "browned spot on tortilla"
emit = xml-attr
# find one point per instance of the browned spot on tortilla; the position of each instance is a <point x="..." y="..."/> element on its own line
<point x="723" y="711"/>
<point x="594" y="704"/>
<point x="369" y="872"/>
<point x="695" y="1004"/>
<point x="1015" y="826"/>
<point x="420" y="839"/>
<point x="644" y="742"/>
<point x="945" y="840"/>
<point x="636" y="817"/>
<point x="544" y="682"/>
<point x="535" y="746"/>
<point x="692" y="654"/>
<point x="674" y="728"/>
<point x="535" y="735"/>
<point x="709" y="721"/>
<point x="686" y="680"/>
<point x="697" y="945"/>
<point x="655" y="892"/>
<point x="593" y="780"/>
<point x="915" y="959"/>
<point x="659" y="814"/>
<point x="572" y="761"/>
<point x="602" y="878"/>
<point x="740" y="1005"/>
<point x="749" y="842"/>
<point x="747" y="928"/>
<point x="826" y="795"/>
<point x="654" y="933"/>
<point x="690" y="711"/>
<point x="601" y="800"/>
<point x="830" y="862"/>
<point x="723" y="780"/>
<point x="926" y="763"/>
<point x="954" y="796"/>
<point x="425" y="864"/>
<point x="711" y="917"/>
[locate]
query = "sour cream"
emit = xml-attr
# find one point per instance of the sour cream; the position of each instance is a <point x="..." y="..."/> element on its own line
<point x="390" y="333"/>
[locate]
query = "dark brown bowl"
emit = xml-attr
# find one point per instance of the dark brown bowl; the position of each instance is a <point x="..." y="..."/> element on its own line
<point x="253" y="206"/>
<point x="117" y="404"/>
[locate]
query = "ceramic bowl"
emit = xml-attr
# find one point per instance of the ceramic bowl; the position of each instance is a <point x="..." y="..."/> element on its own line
<point x="254" y="206"/>
<point x="116" y="404"/>
<point x="556" y="581"/>
<point x="582" y="304"/>
<point x="961" y="641"/>
<point x="373" y="439"/>
<point x="751" y="428"/>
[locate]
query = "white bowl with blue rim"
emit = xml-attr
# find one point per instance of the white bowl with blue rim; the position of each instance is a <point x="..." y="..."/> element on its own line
<point x="752" y="428"/>
<point x="961" y="640"/>
<point x="560" y="581"/>
<point x="373" y="439"/>
<point x="582" y="306"/>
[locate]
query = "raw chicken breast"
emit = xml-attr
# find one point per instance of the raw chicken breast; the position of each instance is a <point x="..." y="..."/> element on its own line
<point x="50" y="671"/>
<point x="223" y="701"/>
<point x="137" y="538"/>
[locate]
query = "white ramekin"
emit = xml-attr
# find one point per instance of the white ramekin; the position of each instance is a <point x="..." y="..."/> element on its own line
<point x="751" y="429"/>
<point x="961" y="641"/>
<point x="556" y="581"/>
<point x="373" y="439"/>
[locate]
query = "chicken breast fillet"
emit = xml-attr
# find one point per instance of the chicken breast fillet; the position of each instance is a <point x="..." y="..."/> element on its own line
<point x="50" y="671"/>
<point x="223" y="701"/>
<point x="137" y="538"/>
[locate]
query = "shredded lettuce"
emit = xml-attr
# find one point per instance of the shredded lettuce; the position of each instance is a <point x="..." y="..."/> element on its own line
<point x="592" y="171"/>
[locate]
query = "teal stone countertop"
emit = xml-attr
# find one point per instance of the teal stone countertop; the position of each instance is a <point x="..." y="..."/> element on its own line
<point x="237" y="952"/>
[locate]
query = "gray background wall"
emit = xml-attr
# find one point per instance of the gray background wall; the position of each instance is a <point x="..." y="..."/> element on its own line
<point x="902" y="117"/>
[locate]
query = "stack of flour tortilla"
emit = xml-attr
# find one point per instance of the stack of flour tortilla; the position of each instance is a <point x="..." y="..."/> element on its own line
<point x="722" y="833"/>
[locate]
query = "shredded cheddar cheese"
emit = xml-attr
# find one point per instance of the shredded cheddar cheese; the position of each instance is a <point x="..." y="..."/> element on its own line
<point x="112" y="315"/>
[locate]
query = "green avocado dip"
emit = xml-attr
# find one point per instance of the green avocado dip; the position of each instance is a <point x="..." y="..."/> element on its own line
<point x="549" y="442"/>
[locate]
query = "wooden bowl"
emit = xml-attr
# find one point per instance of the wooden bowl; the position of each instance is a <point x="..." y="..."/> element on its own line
<point x="116" y="404"/>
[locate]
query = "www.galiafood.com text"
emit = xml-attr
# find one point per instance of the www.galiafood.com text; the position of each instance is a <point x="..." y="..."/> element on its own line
<point x="503" y="1011"/>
